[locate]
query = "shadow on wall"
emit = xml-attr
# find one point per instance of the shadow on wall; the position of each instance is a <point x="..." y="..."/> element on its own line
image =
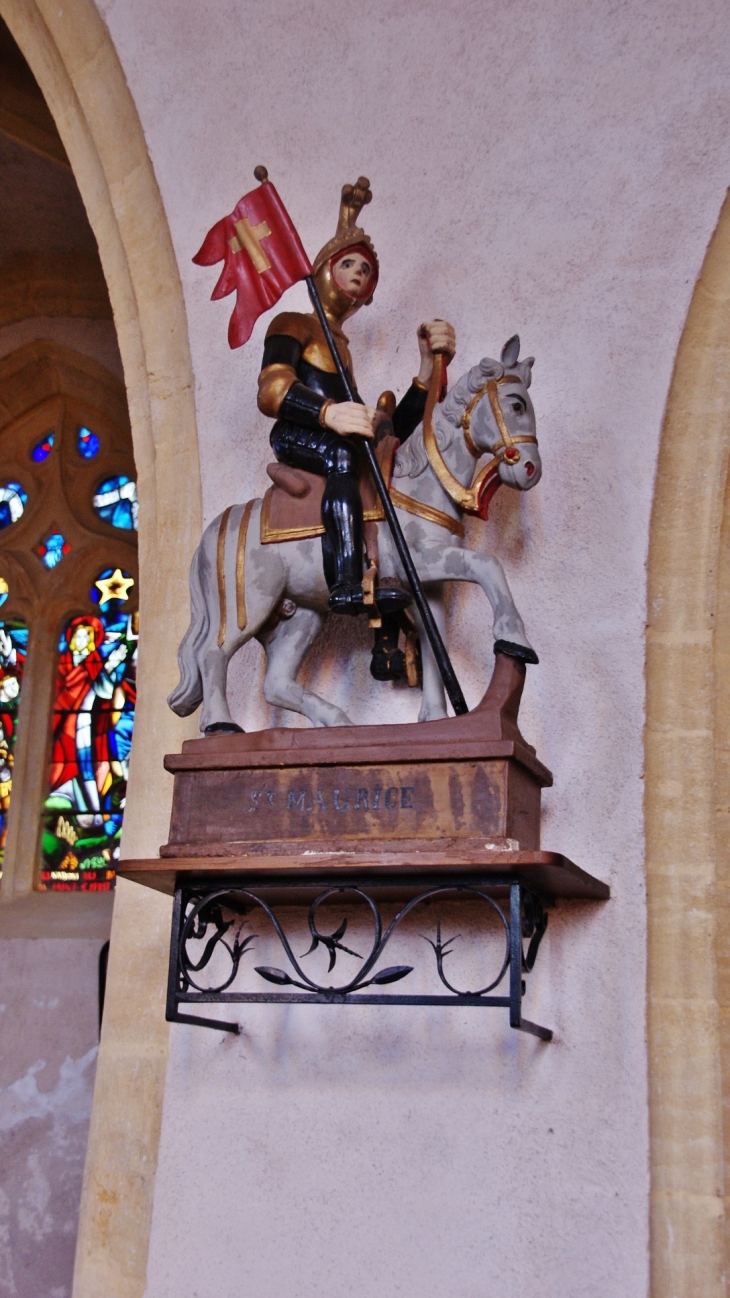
<point x="49" y="1032"/>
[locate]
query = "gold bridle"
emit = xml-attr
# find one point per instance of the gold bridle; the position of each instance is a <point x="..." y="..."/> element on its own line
<point x="468" y="497"/>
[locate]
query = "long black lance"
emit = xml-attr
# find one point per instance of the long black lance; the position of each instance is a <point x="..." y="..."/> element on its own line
<point x="448" y="675"/>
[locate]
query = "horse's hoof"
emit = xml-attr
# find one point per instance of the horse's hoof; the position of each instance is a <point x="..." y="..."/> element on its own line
<point x="391" y="600"/>
<point x="519" y="651"/>
<point x="388" y="666"/>
<point x="223" y="728"/>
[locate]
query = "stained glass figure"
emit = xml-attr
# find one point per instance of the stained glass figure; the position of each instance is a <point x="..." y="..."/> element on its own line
<point x="4" y="591"/>
<point x="92" y="735"/>
<point x="42" y="449"/>
<point x="87" y="443"/>
<point x="12" y="503"/>
<point x="13" y="650"/>
<point x="52" y="550"/>
<point x="116" y="502"/>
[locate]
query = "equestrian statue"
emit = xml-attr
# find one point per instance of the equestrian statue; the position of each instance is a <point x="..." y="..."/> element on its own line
<point x="365" y="502"/>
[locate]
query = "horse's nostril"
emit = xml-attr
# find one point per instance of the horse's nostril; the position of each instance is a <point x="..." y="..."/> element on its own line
<point x="529" y="468"/>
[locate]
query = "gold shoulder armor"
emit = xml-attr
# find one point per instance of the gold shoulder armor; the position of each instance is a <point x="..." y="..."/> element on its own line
<point x="294" y="325"/>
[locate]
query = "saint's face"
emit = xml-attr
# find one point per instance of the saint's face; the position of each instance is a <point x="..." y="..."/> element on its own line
<point x="82" y="640"/>
<point x="353" y="273"/>
<point x="9" y="690"/>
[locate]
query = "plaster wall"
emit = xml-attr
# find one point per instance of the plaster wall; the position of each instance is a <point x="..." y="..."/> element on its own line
<point x="49" y="1035"/>
<point x="551" y="169"/>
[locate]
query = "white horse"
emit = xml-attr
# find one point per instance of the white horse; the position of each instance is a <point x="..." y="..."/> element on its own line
<point x="276" y="592"/>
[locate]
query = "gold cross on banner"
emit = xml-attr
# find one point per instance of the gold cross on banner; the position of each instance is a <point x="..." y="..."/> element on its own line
<point x="249" y="237"/>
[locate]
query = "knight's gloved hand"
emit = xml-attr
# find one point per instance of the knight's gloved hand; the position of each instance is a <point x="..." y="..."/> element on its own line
<point x="436" y="336"/>
<point x="349" y="417"/>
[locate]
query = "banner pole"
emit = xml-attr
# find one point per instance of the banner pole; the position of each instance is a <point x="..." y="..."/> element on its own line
<point x="448" y="675"/>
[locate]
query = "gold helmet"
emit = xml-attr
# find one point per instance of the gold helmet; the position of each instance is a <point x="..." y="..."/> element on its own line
<point x="348" y="236"/>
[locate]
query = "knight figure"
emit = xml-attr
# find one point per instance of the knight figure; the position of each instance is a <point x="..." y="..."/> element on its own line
<point x="316" y="426"/>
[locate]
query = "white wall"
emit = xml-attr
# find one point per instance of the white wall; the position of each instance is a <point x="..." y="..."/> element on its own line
<point x="554" y="169"/>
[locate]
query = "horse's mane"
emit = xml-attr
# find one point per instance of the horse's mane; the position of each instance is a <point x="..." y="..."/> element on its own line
<point x="411" y="458"/>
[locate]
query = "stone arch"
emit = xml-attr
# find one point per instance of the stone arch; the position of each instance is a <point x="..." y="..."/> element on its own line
<point x="76" y="66"/>
<point x="687" y="799"/>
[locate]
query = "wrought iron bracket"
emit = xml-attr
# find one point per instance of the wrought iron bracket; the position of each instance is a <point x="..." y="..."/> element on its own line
<point x="208" y="921"/>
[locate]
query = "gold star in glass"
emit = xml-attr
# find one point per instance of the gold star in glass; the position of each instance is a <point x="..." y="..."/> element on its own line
<point x="115" y="587"/>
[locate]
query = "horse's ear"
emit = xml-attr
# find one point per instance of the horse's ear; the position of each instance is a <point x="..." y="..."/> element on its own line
<point x="510" y="351"/>
<point x="527" y="365"/>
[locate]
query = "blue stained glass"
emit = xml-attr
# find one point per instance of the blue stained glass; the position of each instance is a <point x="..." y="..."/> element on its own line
<point x="12" y="503"/>
<point x="52" y="550"/>
<point x="42" y="449"/>
<point x="93" y="721"/>
<point x="87" y="443"/>
<point x="4" y="591"/>
<point x="116" y="502"/>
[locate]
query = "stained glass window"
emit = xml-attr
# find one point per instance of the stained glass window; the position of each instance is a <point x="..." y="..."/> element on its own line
<point x="116" y="502"/>
<point x="13" y="649"/>
<point x="87" y="443"/>
<point x="42" y="449"/>
<point x="52" y="550"/>
<point x="93" y="720"/>
<point x="12" y="503"/>
<point x="4" y="591"/>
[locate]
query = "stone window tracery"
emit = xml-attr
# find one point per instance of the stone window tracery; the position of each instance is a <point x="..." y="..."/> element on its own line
<point x="69" y="619"/>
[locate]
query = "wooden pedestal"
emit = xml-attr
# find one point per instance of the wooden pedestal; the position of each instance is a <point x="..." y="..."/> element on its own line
<point x="458" y="796"/>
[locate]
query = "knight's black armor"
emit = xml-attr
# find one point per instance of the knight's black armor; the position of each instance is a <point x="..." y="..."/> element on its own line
<point x="300" y="439"/>
<point x="299" y="379"/>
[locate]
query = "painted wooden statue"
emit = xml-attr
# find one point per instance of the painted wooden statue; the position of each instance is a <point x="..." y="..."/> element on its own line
<point x="318" y="541"/>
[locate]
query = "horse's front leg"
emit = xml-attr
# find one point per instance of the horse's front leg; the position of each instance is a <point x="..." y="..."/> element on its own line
<point x="456" y="564"/>
<point x="433" y="701"/>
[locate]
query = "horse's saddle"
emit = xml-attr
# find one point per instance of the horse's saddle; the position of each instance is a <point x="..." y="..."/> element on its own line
<point x="292" y="507"/>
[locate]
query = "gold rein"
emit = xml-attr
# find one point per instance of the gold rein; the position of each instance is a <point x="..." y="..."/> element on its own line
<point x="468" y="497"/>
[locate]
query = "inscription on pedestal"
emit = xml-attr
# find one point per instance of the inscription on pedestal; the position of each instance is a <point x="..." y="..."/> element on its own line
<point x="423" y="800"/>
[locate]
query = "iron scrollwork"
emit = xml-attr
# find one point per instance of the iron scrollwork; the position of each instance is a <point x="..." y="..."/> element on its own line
<point x="216" y="918"/>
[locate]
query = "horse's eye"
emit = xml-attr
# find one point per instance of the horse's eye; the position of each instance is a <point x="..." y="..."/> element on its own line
<point x="518" y="407"/>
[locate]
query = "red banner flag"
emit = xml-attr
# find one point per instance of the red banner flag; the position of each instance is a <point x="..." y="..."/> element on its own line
<point x="263" y="258"/>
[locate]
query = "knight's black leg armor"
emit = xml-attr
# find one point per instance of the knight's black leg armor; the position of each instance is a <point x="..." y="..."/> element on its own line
<point x="342" y="515"/>
<point x="335" y="458"/>
<point x="301" y="439"/>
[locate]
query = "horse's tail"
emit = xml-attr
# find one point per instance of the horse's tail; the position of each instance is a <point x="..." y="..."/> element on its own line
<point x="188" y="695"/>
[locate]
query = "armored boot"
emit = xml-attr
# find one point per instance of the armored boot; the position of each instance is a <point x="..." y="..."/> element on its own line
<point x="342" y="519"/>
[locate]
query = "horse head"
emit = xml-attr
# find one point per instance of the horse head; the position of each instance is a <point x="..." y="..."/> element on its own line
<point x="492" y="406"/>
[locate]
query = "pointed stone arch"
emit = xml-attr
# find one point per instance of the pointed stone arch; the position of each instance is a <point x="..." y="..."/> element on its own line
<point x="687" y="801"/>
<point x="76" y="66"/>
